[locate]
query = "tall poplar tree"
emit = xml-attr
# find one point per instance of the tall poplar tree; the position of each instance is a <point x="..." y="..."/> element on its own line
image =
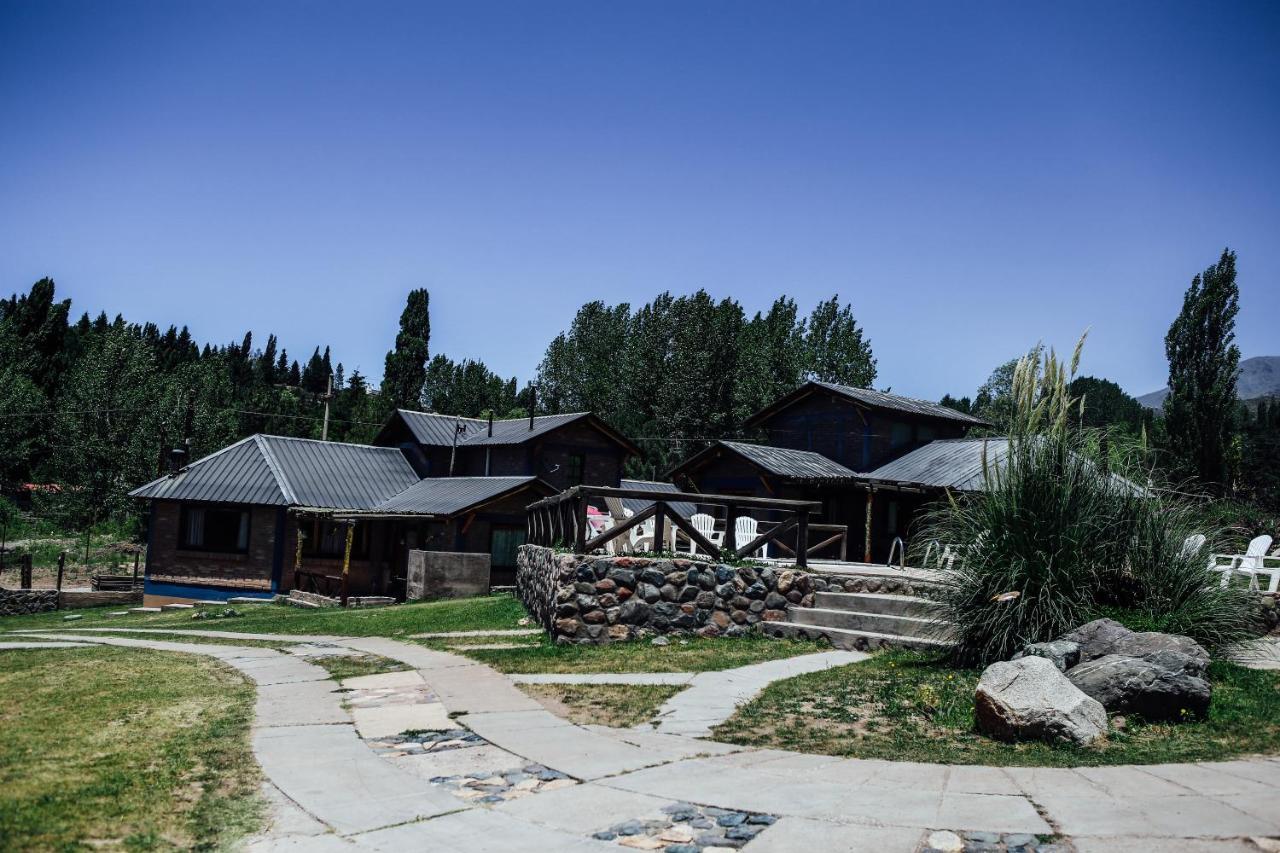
<point x="1200" y="411"/>
<point x="406" y="365"/>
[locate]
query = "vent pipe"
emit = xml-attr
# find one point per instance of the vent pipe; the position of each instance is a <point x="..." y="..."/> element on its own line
<point x="533" y="405"/>
<point x="491" y="423"/>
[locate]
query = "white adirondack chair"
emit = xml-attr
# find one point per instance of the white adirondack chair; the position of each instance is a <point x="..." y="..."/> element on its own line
<point x="746" y="529"/>
<point x="706" y="525"/>
<point x="1251" y="563"/>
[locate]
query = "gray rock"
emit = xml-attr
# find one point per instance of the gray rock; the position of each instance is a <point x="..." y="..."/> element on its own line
<point x="1162" y="686"/>
<point x="1097" y="638"/>
<point x="774" y="601"/>
<point x="1064" y="653"/>
<point x="633" y="612"/>
<point x="1150" y="643"/>
<point x="649" y="593"/>
<point x="659" y="641"/>
<point x="653" y="577"/>
<point x="1029" y="699"/>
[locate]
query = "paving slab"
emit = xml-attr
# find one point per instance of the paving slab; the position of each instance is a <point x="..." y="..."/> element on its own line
<point x="584" y="809"/>
<point x="320" y="650"/>
<point x="405" y="678"/>
<point x="389" y="720"/>
<point x="991" y="813"/>
<point x="1169" y="817"/>
<point x="299" y="704"/>
<point x="286" y="817"/>
<point x="712" y="697"/>
<point x="484" y="758"/>
<point x="480" y="831"/>
<point x="672" y="745"/>
<point x="1135" y="844"/>
<point x="792" y="834"/>
<point x="330" y="773"/>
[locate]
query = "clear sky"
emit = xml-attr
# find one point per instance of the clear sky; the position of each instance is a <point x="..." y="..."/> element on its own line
<point x="973" y="177"/>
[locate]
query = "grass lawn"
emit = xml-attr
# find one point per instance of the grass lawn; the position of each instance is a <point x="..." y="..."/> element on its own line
<point x="466" y="614"/>
<point x="619" y="705"/>
<point x="907" y="707"/>
<point x="124" y="749"/>
<point x="694" y="655"/>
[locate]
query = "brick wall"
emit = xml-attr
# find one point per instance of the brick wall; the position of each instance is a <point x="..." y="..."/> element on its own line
<point x="167" y="559"/>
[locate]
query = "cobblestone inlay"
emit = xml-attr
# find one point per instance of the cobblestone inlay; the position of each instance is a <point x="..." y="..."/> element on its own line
<point x="418" y="743"/>
<point x="689" y="829"/>
<point x="945" y="841"/>
<point x="492" y="788"/>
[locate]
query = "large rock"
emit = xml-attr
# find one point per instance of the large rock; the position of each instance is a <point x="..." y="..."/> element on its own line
<point x="1163" y="685"/>
<point x="1150" y="643"/>
<point x="1029" y="699"/>
<point x="1064" y="653"/>
<point x="1097" y="638"/>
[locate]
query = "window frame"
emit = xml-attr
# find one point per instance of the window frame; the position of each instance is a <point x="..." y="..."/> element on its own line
<point x="184" y="527"/>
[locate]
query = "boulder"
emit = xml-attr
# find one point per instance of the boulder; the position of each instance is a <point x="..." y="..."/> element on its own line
<point x="1097" y="638"/>
<point x="1164" y="685"/>
<point x="1029" y="699"/>
<point x="1064" y="653"/>
<point x="1150" y="643"/>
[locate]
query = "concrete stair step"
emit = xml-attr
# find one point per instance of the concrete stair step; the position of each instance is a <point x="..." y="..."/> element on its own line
<point x="881" y="623"/>
<point x="842" y="638"/>
<point x="864" y="602"/>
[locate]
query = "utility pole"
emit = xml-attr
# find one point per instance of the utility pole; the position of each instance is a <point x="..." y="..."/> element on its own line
<point x="458" y="429"/>
<point x="328" y="395"/>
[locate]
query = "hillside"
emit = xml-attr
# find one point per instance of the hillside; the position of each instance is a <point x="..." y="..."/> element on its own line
<point x="1259" y="377"/>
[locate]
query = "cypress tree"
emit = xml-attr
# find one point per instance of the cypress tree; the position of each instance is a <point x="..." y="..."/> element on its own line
<point x="406" y="365"/>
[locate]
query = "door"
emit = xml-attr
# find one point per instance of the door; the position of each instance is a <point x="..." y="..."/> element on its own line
<point x="504" y="543"/>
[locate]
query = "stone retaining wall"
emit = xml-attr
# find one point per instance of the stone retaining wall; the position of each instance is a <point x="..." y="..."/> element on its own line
<point x="589" y="599"/>
<point x="18" y="602"/>
<point x="868" y="583"/>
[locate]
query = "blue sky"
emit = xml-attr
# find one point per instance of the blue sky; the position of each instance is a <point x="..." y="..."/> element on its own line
<point x="972" y="177"/>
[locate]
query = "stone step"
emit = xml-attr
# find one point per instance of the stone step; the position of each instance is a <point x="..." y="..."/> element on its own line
<point x="842" y="638"/>
<point x="862" y="602"/>
<point x="879" y="623"/>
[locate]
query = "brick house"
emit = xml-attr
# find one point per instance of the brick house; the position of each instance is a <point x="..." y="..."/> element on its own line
<point x="230" y="523"/>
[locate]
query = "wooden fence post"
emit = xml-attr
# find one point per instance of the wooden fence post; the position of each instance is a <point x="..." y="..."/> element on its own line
<point x="24" y="571"/>
<point x="659" y="527"/>
<point x="137" y="562"/>
<point x="731" y="528"/>
<point x="62" y="562"/>
<point x="580" y="524"/>
<point x="346" y="559"/>
<point x="802" y="538"/>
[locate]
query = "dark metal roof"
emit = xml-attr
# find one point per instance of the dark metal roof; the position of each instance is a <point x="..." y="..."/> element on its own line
<point x="884" y="400"/>
<point x="517" y="431"/>
<point x="439" y="430"/>
<point x="277" y="471"/>
<point x="953" y="463"/>
<point x="238" y="473"/>
<point x="452" y="495"/>
<point x="785" y="462"/>
<point x="637" y="505"/>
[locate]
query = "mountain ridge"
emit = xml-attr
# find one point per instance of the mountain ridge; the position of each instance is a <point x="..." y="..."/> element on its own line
<point x="1259" y="376"/>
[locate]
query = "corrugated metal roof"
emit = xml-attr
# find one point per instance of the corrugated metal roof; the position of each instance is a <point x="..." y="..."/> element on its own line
<point x="238" y="473"/>
<point x="953" y="463"/>
<point x="276" y="471"/>
<point x="517" y="431"/>
<point x="333" y="474"/>
<point x="438" y="430"/>
<point x="451" y="495"/>
<point x="884" y="400"/>
<point x="784" y="462"/>
<point x="637" y="505"/>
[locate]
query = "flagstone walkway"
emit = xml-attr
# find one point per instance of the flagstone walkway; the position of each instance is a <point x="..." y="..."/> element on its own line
<point x="616" y="789"/>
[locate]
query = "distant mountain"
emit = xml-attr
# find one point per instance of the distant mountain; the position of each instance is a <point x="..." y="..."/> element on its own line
<point x="1259" y="377"/>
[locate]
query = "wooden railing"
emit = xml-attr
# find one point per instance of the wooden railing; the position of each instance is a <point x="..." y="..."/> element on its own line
<point x="839" y="536"/>
<point x="562" y="520"/>
<point x="319" y="583"/>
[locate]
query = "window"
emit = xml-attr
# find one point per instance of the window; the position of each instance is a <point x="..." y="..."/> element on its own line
<point x="223" y="529"/>
<point x="577" y="469"/>
<point x="323" y="538"/>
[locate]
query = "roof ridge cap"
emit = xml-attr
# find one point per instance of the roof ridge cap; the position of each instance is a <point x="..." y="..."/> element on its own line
<point x="286" y="488"/>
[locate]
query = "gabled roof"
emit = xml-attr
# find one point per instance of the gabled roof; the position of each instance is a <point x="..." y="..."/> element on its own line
<point x="277" y="471"/>
<point x="435" y="430"/>
<point x="779" y="461"/>
<point x="951" y="463"/>
<point x="452" y="495"/>
<point x="638" y="504"/>
<point x="870" y="399"/>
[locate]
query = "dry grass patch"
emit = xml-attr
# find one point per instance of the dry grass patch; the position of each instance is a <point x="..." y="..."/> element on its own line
<point x="617" y="705"/>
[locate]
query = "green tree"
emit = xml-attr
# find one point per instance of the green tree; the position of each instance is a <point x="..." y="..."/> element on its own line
<point x="1106" y="405"/>
<point x="771" y="358"/>
<point x="837" y="349"/>
<point x="1200" y="411"/>
<point x="406" y="364"/>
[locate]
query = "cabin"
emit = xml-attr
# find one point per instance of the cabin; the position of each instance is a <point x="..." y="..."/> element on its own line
<point x="269" y="514"/>
<point x="834" y="444"/>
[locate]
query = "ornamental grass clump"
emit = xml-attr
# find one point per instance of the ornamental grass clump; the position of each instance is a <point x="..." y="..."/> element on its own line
<point x="1057" y="537"/>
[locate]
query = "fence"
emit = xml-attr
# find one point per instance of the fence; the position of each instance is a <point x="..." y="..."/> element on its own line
<point x="562" y="520"/>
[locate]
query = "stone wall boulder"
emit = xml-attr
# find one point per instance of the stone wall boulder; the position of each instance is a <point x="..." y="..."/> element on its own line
<point x="1163" y="685"/>
<point x="1029" y="699"/>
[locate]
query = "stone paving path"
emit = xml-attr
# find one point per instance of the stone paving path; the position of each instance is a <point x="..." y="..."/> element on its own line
<point x="331" y="791"/>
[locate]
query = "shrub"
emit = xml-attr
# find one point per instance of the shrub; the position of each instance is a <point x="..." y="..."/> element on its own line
<point x="1057" y="536"/>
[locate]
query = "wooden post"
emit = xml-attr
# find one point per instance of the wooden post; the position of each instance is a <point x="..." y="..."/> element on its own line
<point x="866" y="557"/>
<point x="24" y="571"/>
<point x="346" y="559"/>
<point x="62" y="562"/>
<point x="730" y="528"/>
<point x="580" y="524"/>
<point x="297" y="551"/>
<point x="802" y="538"/>
<point x="87" y="533"/>
<point x="137" y="561"/>
<point x="659" y="526"/>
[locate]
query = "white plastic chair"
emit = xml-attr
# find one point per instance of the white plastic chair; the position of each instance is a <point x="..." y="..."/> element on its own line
<point x="1251" y="563"/>
<point x="706" y="525"/>
<point x="746" y="529"/>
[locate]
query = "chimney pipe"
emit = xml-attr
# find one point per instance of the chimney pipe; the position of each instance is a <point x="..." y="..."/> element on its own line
<point x="533" y="405"/>
<point x="491" y="423"/>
